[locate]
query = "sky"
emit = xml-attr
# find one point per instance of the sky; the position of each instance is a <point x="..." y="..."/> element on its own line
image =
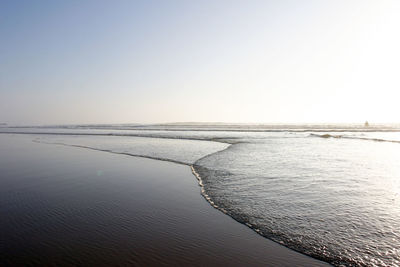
<point x="74" y="62"/>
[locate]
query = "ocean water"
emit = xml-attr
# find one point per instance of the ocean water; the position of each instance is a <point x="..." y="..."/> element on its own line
<point x="67" y="206"/>
<point x="328" y="191"/>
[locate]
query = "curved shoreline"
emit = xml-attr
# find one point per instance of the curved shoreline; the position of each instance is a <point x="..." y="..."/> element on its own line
<point x="203" y="191"/>
<point x="198" y="178"/>
<point x="200" y="235"/>
<point x="247" y="224"/>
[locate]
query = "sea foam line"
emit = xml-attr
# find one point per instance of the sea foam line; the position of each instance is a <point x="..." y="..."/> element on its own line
<point x="353" y="138"/>
<point x="203" y="191"/>
<point x="224" y="140"/>
<point x="113" y="152"/>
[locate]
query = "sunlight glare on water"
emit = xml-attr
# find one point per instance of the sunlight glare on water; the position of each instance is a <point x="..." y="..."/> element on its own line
<point x="336" y="198"/>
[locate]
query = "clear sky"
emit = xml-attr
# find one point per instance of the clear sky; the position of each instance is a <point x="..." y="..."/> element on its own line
<point x="228" y="61"/>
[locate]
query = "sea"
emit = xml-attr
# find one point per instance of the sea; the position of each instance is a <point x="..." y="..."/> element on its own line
<point x="330" y="191"/>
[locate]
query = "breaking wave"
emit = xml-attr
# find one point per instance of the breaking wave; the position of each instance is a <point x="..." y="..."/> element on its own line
<point x="354" y="137"/>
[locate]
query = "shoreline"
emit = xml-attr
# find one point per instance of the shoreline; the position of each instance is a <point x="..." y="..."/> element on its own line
<point x="177" y="226"/>
<point x="256" y="230"/>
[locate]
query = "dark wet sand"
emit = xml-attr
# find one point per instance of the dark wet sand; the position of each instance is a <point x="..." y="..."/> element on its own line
<point x="71" y="206"/>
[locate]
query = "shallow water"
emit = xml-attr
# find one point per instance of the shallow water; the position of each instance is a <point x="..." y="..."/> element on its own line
<point x="179" y="151"/>
<point x="332" y="195"/>
<point x="337" y="200"/>
<point x="67" y="206"/>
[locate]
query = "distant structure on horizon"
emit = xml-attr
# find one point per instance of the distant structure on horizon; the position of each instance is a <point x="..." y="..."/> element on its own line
<point x="366" y="124"/>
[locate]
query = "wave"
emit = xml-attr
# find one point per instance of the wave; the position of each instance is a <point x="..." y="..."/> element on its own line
<point x="207" y="176"/>
<point x="225" y="140"/>
<point x="354" y="138"/>
<point x="113" y="152"/>
<point x="203" y="191"/>
<point x="246" y="220"/>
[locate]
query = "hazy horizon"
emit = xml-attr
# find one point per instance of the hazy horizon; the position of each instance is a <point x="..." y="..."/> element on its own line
<point x="97" y="62"/>
<point x="350" y="125"/>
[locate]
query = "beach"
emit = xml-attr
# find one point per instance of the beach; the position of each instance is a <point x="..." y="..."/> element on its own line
<point x="69" y="206"/>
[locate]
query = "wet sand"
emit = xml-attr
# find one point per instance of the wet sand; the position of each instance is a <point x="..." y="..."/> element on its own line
<point x="70" y="206"/>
